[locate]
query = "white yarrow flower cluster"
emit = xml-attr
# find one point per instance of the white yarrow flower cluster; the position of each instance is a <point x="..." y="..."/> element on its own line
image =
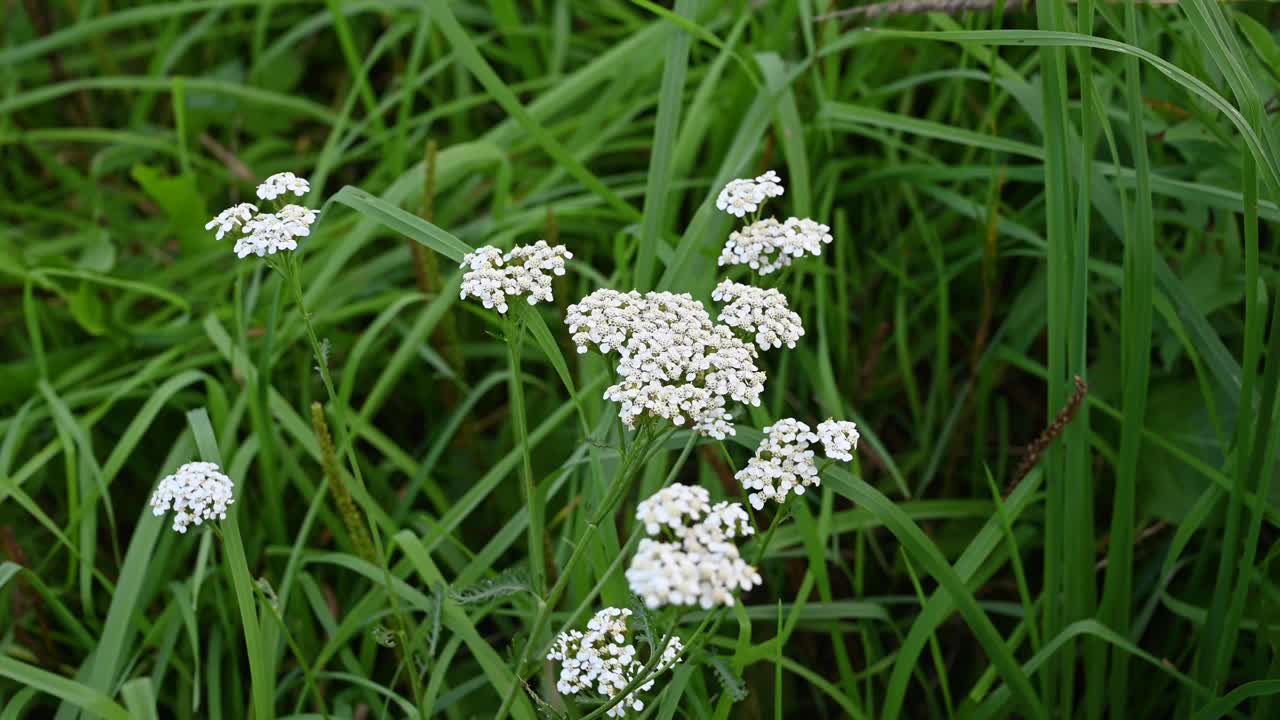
<point x="233" y="218"/>
<point x="267" y="233"/>
<point x="604" y="661"/>
<point x="697" y="561"/>
<point x="196" y="492"/>
<point x="674" y="362"/>
<point x="283" y="184"/>
<point x="762" y="312"/>
<point x="493" y="276"/>
<point x="783" y="463"/>
<point x="839" y="438"/>
<point x="746" y="195"/>
<point x="768" y="245"/>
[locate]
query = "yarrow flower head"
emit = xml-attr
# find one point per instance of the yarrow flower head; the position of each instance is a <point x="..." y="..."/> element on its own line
<point x="746" y="195"/>
<point x="267" y="233"/>
<point x="762" y="312"/>
<point x="281" y="184"/>
<point x="232" y="218"/>
<point x="196" y="492"/>
<point x="695" y="560"/>
<point x="604" y="661"/>
<point x="839" y="438"/>
<point x="493" y="276"/>
<point x="674" y="362"/>
<point x="768" y="245"/>
<point x="783" y="463"/>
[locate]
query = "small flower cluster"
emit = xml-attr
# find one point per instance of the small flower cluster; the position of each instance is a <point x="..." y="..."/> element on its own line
<point x="783" y="462"/>
<point x="763" y="312"/>
<point x="768" y="245"/>
<point x="602" y="659"/>
<point x="493" y="276"/>
<point x="283" y="184"/>
<point x="742" y="196"/>
<point x="699" y="563"/>
<point x="839" y="438"/>
<point x="196" y="492"/>
<point x="265" y="233"/>
<point x="674" y="362"/>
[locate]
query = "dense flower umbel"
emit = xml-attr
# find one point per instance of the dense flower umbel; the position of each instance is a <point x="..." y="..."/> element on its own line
<point x="744" y="196"/>
<point x="196" y="492"/>
<point x="839" y="438"/>
<point x="768" y="245"/>
<point x="763" y="312"/>
<point x="675" y="363"/>
<point x="527" y="270"/>
<point x="700" y="564"/>
<point x="266" y="233"/>
<point x="602" y="659"/>
<point x="783" y="463"/>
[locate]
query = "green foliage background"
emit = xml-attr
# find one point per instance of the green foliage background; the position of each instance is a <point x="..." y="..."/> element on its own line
<point x="1018" y="198"/>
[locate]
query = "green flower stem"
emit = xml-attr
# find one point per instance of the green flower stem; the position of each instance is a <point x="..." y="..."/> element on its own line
<point x="630" y="545"/>
<point x="537" y="508"/>
<point x="289" y="270"/>
<point x="635" y="459"/>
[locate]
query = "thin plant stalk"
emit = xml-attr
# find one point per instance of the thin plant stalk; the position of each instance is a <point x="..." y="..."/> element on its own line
<point x="290" y="270"/>
<point x="632" y="462"/>
<point x="537" y="509"/>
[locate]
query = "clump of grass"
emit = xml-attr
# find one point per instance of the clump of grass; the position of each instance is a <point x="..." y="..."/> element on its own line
<point x="979" y="211"/>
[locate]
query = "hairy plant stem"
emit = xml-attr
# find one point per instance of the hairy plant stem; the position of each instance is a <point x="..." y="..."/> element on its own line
<point x="288" y="268"/>
<point x="638" y="454"/>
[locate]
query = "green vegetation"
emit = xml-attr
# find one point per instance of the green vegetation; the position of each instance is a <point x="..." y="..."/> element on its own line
<point x="427" y="491"/>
